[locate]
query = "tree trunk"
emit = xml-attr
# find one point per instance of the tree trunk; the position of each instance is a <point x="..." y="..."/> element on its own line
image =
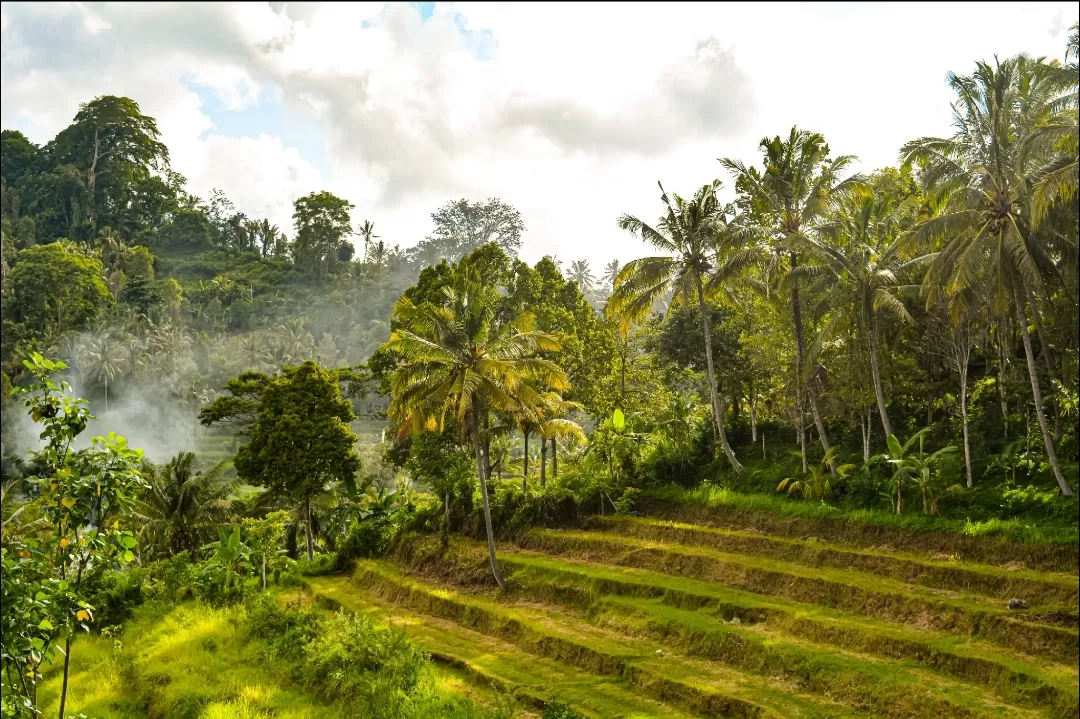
<point x="864" y="425"/>
<point x="481" y="471"/>
<point x="554" y="459"/>
<point x="1037" y="395"/>
<point x="800" y="349"/>
<point x="753" y="420"/>
<point x="543" y="461"/>
<point x="264" y="571"/>
<point x="1001" y="381"/>
<point x="718" y="409"/>
<point x="964" y="422"/>
<point x="446" y="511"/>
<point x="310" y="539"/>
<point x="875" y="373"/>
<point x="106" y="394"/>
<point x="525" y="464"/>
<point x="67" y="672"/>
<point x="1047" y="357"/>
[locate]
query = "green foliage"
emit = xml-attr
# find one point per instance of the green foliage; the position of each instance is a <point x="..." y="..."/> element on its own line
<point x="919" y="467"/>
<point x="48" y="577"/>
<point x="301" y="439"/>
<point x="555" y="709"/>
<point x="818" y="485"/>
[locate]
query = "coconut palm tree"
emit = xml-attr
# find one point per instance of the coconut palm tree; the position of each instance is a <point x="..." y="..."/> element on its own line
<point x="367" y="231"/>
<point x="791" y="196"/>
<point x="695" y="235"/>
<point x="457" y="358"/>
<point x="101" y="358"/>
<point x="983" y="177"/>
<point x="582" y="276"/>
<point x="611" y="272"/>
<point x="180" y="508"/>
<point x="859" y="251"/>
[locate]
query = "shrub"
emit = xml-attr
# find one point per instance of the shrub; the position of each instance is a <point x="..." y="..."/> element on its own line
<point x="351" y="659"/>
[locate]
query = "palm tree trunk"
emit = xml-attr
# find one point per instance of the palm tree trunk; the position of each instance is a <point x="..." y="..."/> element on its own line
<point x="964" y="422"/>
<point x="543" y="461"/>
<point x="718" y="410"/>
<point x="525" y="464"/>
<point x="1037" y="395"/>
<point x="875" y="373"/>
<point x="753" y="419"/>
<point x="554" y="459"/>
<point x="800" y="344"/>
<point x="1047" y="357"/>
<point x="864" y="424"/>
<point x="481" y="471"/>
<point x="310" y="540"/>
<point x="1001" y="380"/>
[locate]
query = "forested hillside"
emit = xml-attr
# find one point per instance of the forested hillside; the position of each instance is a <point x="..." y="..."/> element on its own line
<point x="848" y="400"/>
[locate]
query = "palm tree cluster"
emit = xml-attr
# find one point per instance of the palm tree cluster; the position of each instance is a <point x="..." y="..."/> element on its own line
<point x="987" y="231"/>
<point x="459" y="362"/>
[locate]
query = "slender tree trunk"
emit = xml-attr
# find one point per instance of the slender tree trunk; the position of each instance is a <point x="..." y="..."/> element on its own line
<point x="875" y="373"/>
<point x="554" y="459"/>
<point x="864" y="425"/>
<point x="67" y="672"/>
<point x="964" y="423"/>
<point x="1047" y="357"/>
<point x="446" y="511"/>
<point x="310" y="539"/>
<point x="1001" y="380"/>
<point x="543" y="461"/>
<point x="753" y="420"/>
<point x="800" y="344"/>
<point x="481" y="471"/>
<point x="718" y="409"/>
<point x="106" y="394"/>
<point x="525" y="464"/>
<point x="264" y="571"/>
<point x="622" y="373"/>
<point x="1037" y="395"/>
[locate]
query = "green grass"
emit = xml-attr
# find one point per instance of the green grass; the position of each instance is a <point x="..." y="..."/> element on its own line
<point x="1024" y="531"/>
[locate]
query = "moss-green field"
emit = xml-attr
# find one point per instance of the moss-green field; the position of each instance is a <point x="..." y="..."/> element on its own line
<point x="635" y="617"/>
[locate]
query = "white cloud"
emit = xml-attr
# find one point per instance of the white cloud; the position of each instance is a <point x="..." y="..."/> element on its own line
<point x="571" y="112"/>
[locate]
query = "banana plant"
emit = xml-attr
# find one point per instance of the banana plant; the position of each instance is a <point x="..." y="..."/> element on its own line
<point x="920" y="467"/>
<point x="230" y="554"/>
<point x="819" y="484"/>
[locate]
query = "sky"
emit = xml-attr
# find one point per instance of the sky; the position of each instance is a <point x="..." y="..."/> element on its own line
<point x="569" y="112"/>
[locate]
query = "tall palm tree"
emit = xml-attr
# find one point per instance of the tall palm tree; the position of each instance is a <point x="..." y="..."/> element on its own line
<point x="101" y="358"/>
<point x="983" y="177"/>
<point x="582" y="276"/>
<point x="860" y="252"/>
<point x="790" y="197"/>
<point x="180" y="509"/>
<point x="611" y="272"/>
<point x="696" y="236"/>
<point x="367" y="231"/>
<point x="457" y="358"/>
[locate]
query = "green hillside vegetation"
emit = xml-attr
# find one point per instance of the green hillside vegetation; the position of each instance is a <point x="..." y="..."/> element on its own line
<point x="813" y="454"/>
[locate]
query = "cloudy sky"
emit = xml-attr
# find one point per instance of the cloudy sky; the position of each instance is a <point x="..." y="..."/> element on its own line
<point x="569" y="112"/>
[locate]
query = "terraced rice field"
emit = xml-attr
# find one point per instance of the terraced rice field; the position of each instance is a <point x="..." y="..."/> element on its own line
<point x="631" y="617"/>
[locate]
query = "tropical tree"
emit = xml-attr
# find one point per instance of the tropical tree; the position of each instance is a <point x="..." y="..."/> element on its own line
<point x="861" y="253"/>
<point x="457" y="358"/>
<point x="611" y="273"/>
<point x="983" y="177"/>
<point x="799" y="184"/>
<point x="582" y="276"/>
<point x="179" y="508"/>
<point x="101" y="357"/>
<point x="698" y="241"/>
<point x="300" y="439"/>
<point x="818" y="486"/>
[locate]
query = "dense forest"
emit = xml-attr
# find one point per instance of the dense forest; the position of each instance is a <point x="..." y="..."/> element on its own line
<point x="898" y="347"/>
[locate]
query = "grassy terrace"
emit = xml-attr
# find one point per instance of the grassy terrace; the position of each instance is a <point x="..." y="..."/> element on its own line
<point x="641" y="617"/>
